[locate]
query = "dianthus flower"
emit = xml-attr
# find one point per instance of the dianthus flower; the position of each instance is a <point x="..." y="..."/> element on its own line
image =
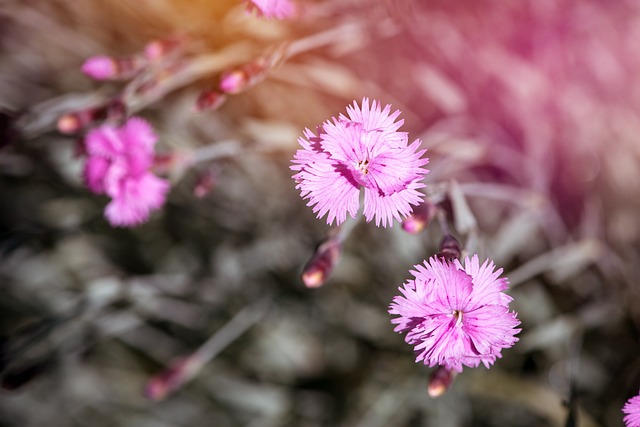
<point x="632" y="411"/>
<point x="279" y="9"/>
<point x="455" y="315"/>
<point x="364" y="150"/>
<point x="118" y="166"/>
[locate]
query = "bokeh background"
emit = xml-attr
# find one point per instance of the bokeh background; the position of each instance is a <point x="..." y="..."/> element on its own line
<point x="530" y="111"/>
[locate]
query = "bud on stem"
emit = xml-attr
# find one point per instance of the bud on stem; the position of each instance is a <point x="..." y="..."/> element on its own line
<point x="179" y="372"/>
<point x="439" y="381"/>
<point x="210" y="99"/>
<point x="420" y="218"/>
<point x="317" y="270"/>
<point x="449" y="248"/>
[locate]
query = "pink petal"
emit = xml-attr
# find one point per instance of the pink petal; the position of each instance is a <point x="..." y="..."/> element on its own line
<point x="136" y="201"/>
<point x="104" y="141"/>
<point x="95" y="171"/>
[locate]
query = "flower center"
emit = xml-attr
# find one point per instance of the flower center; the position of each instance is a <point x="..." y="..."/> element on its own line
<point x="458" y="314"/>
<point x="363" y="166"/>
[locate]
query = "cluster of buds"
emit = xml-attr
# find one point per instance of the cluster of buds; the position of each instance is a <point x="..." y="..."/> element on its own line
<point x="239" y="79"/>
<point x="104" y="67"/>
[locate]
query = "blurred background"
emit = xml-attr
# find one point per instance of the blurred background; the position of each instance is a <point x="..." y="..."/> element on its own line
<point x="530" y="112"/>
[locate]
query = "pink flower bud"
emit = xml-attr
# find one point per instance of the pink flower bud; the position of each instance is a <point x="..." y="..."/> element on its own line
<point x="449" y="248"/>
<point x="156" y="49"/>
<point x="233" y="81"/>
<point x="278" y="9"/>
<point x="100" y="67"/>
<point x="439" y="381"/>
<point x="205" y="184"/>
<point x="209" y="99"/>
<point x="420" y="218"/>
<point x="108" y="68"/>
<point x="178" y="373"/>
<point x="240" y="79"/>
<point x="77" y="121"/>
<point x="317" y="270"/>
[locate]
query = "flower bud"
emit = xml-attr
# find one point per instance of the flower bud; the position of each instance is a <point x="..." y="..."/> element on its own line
<point x="178" y="373"/>
<point x="209" y="99"/>
<point x="205" y="183"/>
<point x="420" y="218"/>
<point x="108" y="68"/>
<point x="157" y="49"/>
<point x="100" y="67"/>
<point x="317" y="270"/>
<point x="77" y="121"/>
<point x="439" y="381"/>
<point x="449" y="248"/>
<point x="233" y="81"/>
<point x="239" y="79"/>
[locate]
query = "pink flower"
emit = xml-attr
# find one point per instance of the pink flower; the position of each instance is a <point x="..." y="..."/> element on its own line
<point x="118" y="166"/>
<point x="100" y="67"/>
<point x="455" y="315"/>
<point x="363" y="150"/>
<point x="632" y="411"/>
<point x="279" y="9"/>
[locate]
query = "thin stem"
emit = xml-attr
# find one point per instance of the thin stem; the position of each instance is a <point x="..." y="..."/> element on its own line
<point x="347" y="227"/>
<point x="240" y="323"/>
<point x="215" y="151"/>
<point x="442" y="221"/>
<point x="333" y="36"/>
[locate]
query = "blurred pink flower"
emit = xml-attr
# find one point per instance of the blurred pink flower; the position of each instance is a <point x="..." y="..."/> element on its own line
<point x="632" y="411"/>
<point x="279" y="9"/>
<point x="361" y="151"/>
<point x="100" y="67"/>
<point x="455" y="315"/>
<point x="118" y="166"/>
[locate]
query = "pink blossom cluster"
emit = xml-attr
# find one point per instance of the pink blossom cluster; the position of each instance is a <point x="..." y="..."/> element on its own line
<point x="279" y="9"/>
<point x="455" y="315"/>
<point x="631" y="410"/>
<point x="361" y="151"/>
<point x="118" y="163"/>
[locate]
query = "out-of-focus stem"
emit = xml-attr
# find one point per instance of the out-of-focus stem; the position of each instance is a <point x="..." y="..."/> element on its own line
<point x="240" y="323"/>
<point x="184" y="369"/>
<point x="324" y="38"/>
<point x="442" y="221"/>
<point x="215" y="151"/>
<point x="345" y="229"/>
